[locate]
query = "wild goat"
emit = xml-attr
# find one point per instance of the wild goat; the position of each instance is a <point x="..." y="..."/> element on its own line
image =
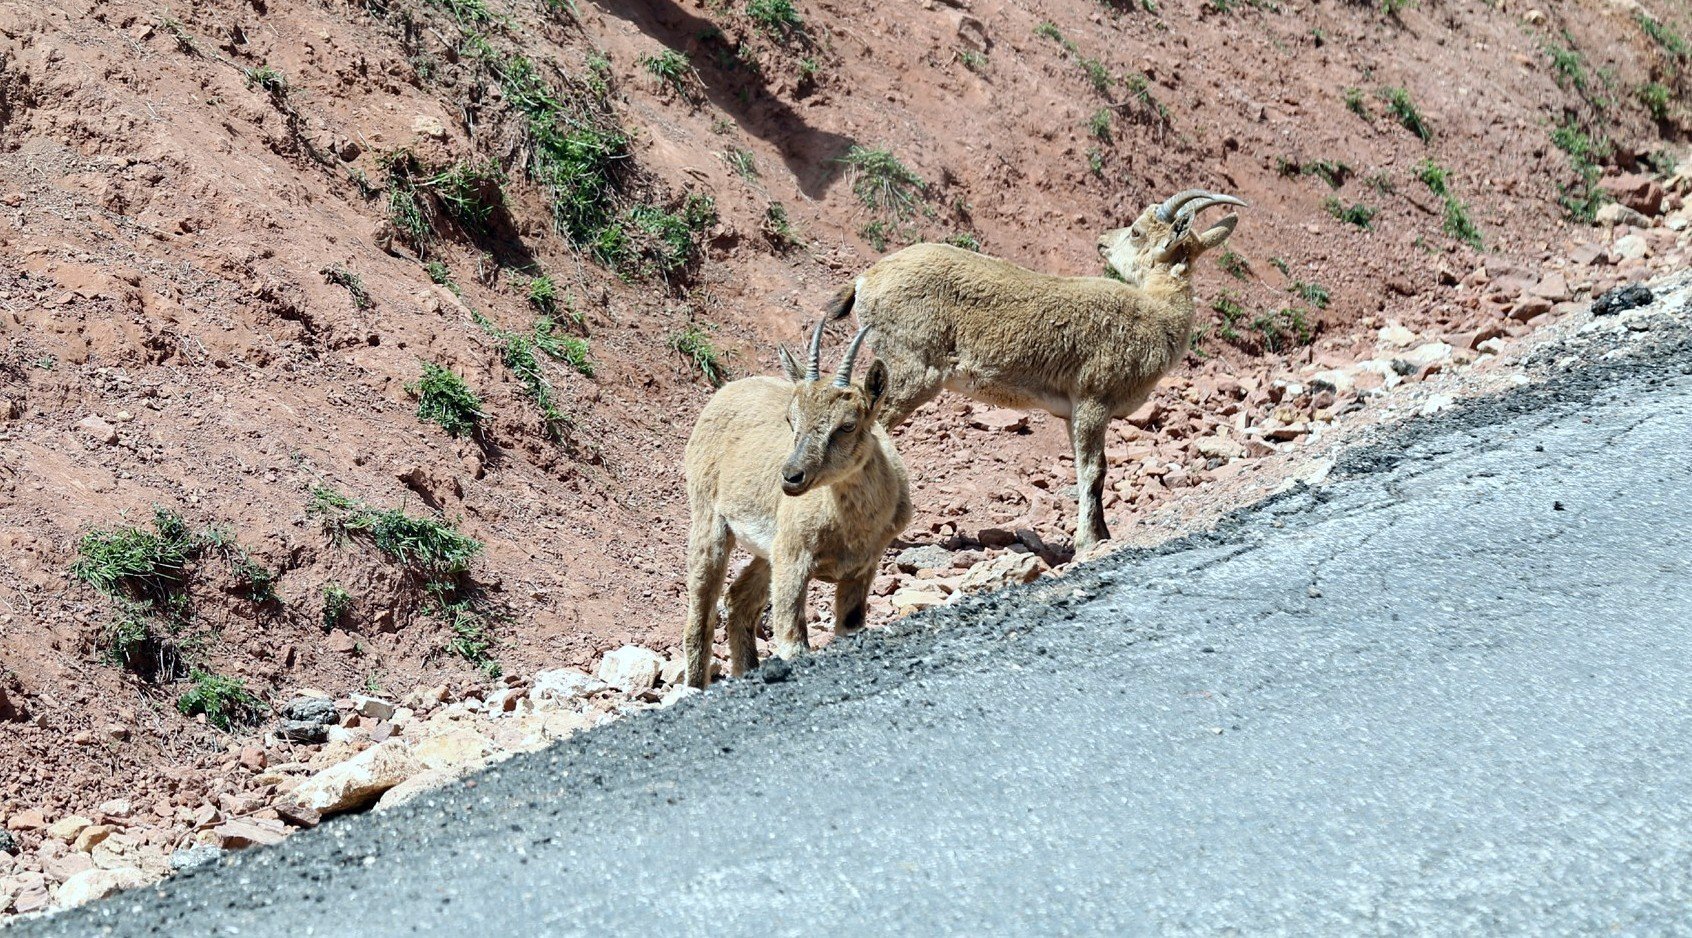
<point x="1086" y="349"/>
<point x="801" y="475"/>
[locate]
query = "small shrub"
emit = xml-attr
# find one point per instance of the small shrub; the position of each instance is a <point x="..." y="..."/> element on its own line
<point x="441" y="274"/>
<point x="1099" y="124"/>
<point x="444" y="398"/>
<point x="1656" y="99"/>
<point x="1404" y="111"/>
<point x="1048" y="30"/>
<point x="1457" y="224"/>
<point x="1356" y="214"/>
<point x="543" y="295"/>
<point x="1097" y="75"/>
<point x="570" y="350"/>
<point x="1228" y="307"/>
<point x="1281" y="265"/>
<point x="432" y="546"/>
<point x="1354" y="102"/>
<point x="226" y="702"/>
<point x="1233" y="265"/>
<point x="149" y="566"/>
<point x="672" y="68"/>
<point x="337" y="605"/>
<point x="471" y="625"/>
<point x="778" y="228"/>
<point x="258" y="580"/>
<point x="1670" y="41"/>
<point x="1282" y="329"/>
<point x="1582" y="199"/>
<point x="742" y="162"/>
<point x="354" y="284"/>
<point x="878" y="233"/>
<point x="972" y="60"/>
<point x="881" y="182"/>
<point x="964" y="239"/>
<point x="1313" y="293"/>
<point x="1566" y="66"/>
<point x="697" y="348"/>
<point x="1095" y="162"/>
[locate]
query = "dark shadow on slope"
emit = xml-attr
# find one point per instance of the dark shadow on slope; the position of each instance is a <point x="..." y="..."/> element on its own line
<point x="809" y="153"/>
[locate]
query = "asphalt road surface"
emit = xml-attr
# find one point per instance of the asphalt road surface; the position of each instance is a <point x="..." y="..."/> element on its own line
<point x="1448" y="692"/>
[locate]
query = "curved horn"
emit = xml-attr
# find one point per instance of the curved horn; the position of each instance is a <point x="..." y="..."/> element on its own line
<point x="1185" y="215"/>
<point x="843" y="377"/>
<point x="814" y="362"/>
<point x="1166" y="211"/>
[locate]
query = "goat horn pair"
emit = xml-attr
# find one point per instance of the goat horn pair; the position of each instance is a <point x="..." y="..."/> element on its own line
<point x="1185" y="215"/>
<point x="1180" y="200"/>
<point x="843" y="377"/>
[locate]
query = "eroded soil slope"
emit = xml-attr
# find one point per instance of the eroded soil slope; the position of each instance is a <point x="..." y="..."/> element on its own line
<point x="234" y="234"/>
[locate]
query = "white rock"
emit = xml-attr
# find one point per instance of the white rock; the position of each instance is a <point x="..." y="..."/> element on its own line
<point x="1616" y="213"/>
<point x="1006" y="569"/>
<point x="360" y="780"/>
<point x="454" y="748"/>
<point x="1629" y="248"/>
<point x="1437" y="403"/>
<point x="89" y="885"/>
<point x="373" y="707"/>
<point x="1428" y="353"/>
<point x="631" y="668"/>
<point x="564" y="684"/>
<point x="117" y="807"/>
<point x="1395" y="336"/>
<point x="676" y="693"/>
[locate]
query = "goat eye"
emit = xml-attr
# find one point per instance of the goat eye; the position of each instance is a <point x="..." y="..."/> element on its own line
<point x="845" y="428"/>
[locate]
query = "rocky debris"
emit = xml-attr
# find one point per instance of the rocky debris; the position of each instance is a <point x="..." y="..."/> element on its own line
<point x="31" y="820"/>
<point x="564" y="684"/>
<point x="296" y="815"/>
<point x="8" y="843"/>
<point x="674" y="671"/>
<point x="310" y="710"/>
<point x="304" y="731"/>
<point x="195" y="856"/>
<point x="925" y="557"/>
<point x="90" y="885"/>
<point x="358" y="781"/>
<point x="1009" y="569"/>
<point x="1622" y="299"/>
<point x="374" y="708"/>
<point x="914" y="598"/>
<point x="631" y="668"/>
<point x="65" y="829"/>
<point x="12" y="709"/>
<point x="999" y="420"/>
<point x="1629" y="248"/>
<point x="455" y="748"/>
<point x="98" y="430"/>
<point x="1637" y="191"/>
<point x="1428" y="353"/>
<point x="239" y="833"/>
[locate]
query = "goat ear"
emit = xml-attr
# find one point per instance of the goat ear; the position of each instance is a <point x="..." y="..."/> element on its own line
<point x="875" y="382"/>
<point x="1217" y="233"/>
<point x="790" y="367"/>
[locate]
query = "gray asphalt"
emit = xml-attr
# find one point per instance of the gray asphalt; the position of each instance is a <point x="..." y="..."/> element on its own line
<point x="1449" y="692"/>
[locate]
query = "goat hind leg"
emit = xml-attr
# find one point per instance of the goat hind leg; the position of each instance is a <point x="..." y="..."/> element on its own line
<point x="849" y="598"/>
<point x="708" y="545"/>
<point x="1087" y="428"/>
<point x="747" y="598"/>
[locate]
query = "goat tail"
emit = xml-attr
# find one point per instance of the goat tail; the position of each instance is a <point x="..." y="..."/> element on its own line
<point x="841" y="303"/>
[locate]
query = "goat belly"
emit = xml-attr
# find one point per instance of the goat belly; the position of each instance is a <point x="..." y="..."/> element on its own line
<point x="1003" y="395"/>
<point x="755" y="536"/>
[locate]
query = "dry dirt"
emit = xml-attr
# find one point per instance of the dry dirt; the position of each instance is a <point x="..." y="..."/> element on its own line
<point x="171" y="340"/>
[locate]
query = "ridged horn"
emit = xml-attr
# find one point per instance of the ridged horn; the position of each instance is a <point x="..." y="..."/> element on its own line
<point x="1166" y="211"/>
<point x="1185" y="215"/>
<point x="815" y="361"/>
<point x="843" y="377"/>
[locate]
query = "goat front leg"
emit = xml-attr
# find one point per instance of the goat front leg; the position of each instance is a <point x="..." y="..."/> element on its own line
<point x="849" y="599"/>
<point x="1087" y="427"/>
<point x="708" y="544"/>
<point x="790" y="576"/>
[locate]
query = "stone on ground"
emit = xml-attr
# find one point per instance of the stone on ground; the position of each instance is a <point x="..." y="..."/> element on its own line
<point x="359" y="781"/>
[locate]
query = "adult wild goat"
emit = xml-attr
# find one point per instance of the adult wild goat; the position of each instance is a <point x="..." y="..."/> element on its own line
<point x="800" y="474"/>
<point x="1086" y="349"/>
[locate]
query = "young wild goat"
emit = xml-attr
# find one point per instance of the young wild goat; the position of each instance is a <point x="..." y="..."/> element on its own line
<point x="800" y="474"/>
<point x="1086" y="349"/>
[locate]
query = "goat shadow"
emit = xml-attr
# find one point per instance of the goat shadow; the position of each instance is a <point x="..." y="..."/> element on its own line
<point x="810" y="154"/>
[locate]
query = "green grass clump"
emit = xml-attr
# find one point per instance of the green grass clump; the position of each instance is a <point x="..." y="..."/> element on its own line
<point x="1282" y="329"/>
<point x="1099" y="124"/>
<point x="964" y="239"/>
<point x="430" y="546"/>
<point x="1567" y="68"/>
<point x="337" y="605"/>
<point x="226" y="702"/>
<point x="1456" y="221"/>
<point x="129" y="562"/>
<point x="570" y="350"/>
<point x="441" y="274"/>
<point x="1656" y="99"/>
<point x="543" y="295"/>
<point x="469" y="191"/>
<point x="1356" y="214"/>
<point x="268" y="80"/>
<point x="778" y="228"/>
<point x="1233" y="265"/>
<point x="467" y="12"/>
<point x="972" y="60"/>
<point x="697" y="348"/>
<point x="1581" y="199"/>
<point x="471" y="624"/>
<point x="354" y="284"/>
<point x="1313" y="293"/>
<point x="742" y="162"/>
<point x="673" y="70"/>
<point x="881" y="182"/>
<point x="775" y="17"/>
<point x="1227" y="306"/>
<point x="444" y="398"/>
<point x="1354" y="102"/>
<point x="1403" y="110"/>
<point x="1097" y="75"/>
<point x="1670" y="41"/>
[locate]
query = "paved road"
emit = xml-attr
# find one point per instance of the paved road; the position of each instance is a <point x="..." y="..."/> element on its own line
<point x="1450" y="692"/>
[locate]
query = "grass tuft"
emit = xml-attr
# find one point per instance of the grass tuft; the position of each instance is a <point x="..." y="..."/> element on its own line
<point x="354" y="284"/>
<point x="225" y="701"/>
<point x="881" y="182"/>
<point x="1356" y="214"/>
<point x="697" y="348"/>
<point x="429" y="546"/>
<point x="1403" y="110"/>
<point x="444" y="398"/>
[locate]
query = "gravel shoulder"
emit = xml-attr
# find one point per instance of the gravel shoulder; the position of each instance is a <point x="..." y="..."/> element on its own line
<point x="1445" y="691"/>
